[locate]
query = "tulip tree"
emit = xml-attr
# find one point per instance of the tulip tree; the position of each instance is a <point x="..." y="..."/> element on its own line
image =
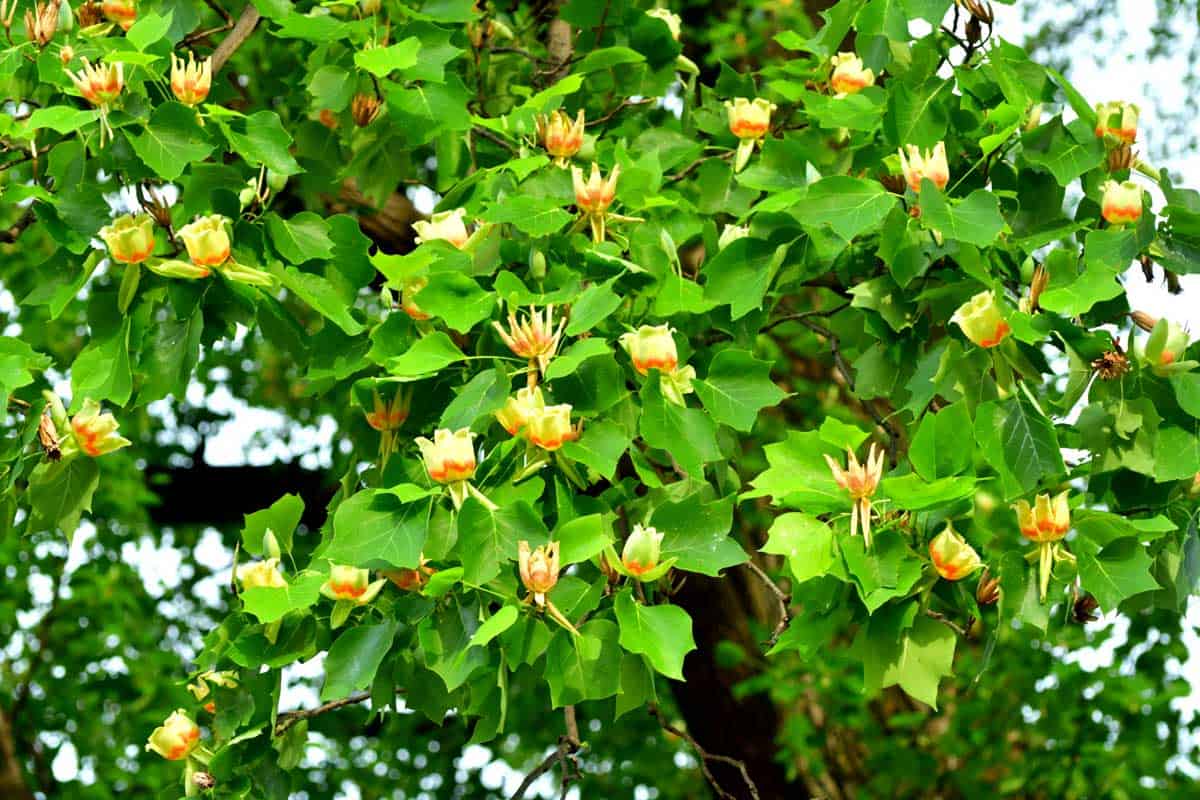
<point x="755" y="391"/>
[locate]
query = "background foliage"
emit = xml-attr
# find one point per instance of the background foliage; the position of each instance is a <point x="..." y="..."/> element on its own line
<point x="818" y="664"/>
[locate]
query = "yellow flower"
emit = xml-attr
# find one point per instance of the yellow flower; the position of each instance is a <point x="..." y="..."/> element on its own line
<point x="642" y="550"/>
<point x="263" y="574"/>
<point x="932" y="165"/>
<point x="860" y="481"/>
<point x="98" y="84"/>
<point x="561" y="137"/>
<point x="96" y="433"/>
<point x="749" y="119"/>
<point x="130" y="238"/>
<point x="206" y="240"/>
<point x="596" y="194"/>
<point x="450" y="457"/>
<point x="122" y="12"/>
<point x="445" y="225"/>
<point x="351" y="583"/>
<point x="391" y="415"/>
<point x="176" y="738"/>
<point x="981" y="321"/>
<point x="538" y="569"/>
<point x="849" y="75"/>
<point x="191" y="81"/>
<point x="517" y="410"/>
<point x="534" y="338"/>
<point x="1122" y="202"/>
<point x="1048" y="520"/>
<point x="549" y="427"/>
<point x="651" y="347"/>
<point x="1117" y="119"/>
<point x="953" y="558"/>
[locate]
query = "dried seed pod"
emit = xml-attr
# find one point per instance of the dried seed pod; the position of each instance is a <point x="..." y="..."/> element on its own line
<point x="364" y="108"/>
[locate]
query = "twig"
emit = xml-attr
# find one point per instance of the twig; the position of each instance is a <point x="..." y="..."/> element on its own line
<point x="290" y="718"/>
<point x="626" y="103"/>
<point x="568" y="746"/>
<point x="14" y="231"/>
<point x="949" y="623"/>
<point x="495" y="138"/>
<point x="706" y="756"/>
<point x="803" y="315"/>
<point x="690" y="168"/>
<point x="783" y="597"/>
<point x="242" y="29"/>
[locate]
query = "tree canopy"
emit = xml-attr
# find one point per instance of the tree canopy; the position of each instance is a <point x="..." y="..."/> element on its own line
<point x="736" y="400"/>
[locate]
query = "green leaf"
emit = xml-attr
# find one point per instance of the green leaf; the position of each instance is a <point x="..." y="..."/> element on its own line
<point x="975" y="220"/>
<point x="281" y="518"/>
<point x="1030" y="446"/>
<point x="916" y="660"/>
<point x="487" y="539"/>
<point x="301" y="238"/>
<point x="737" y="386"/>
<point x="457" y="299"/>
<point x="355" y="657"/>
<point x="536" y="216"/>
<point x="914" y="114"/>
<point x="60" y="491"/>
<point x="60" y="119"/>
<point x="806" y="541"/>
<point x="738" y="275"/>
<point x="270" y="603"/>
<point x="697" y="534"/>
<point x="939" y="449"/>
<point x="493" y="626"/>
<point x="687" y="433"/>
<point x="890" y="569"/>
<point x="1066" y="152"/>
<point x="323" y="296"/>
<point x="661" y="633"/>
<point x="798" y="477"/>
<point x="483" y="395"/>
<point x="569" y="359"/>
<point x="101" y="370"/>
<point x="171" y="140"/>
<point x="172" y="351"/>
<point x="911" y="493"/>
<point x="584" y="667"/>
<point x="378" y="528"/>
<point x="1176" y="454"/>
<point x="265" y="142"/>
<point x="601" y="447"/>
<point x="428" y="355"/>
<point x="593" y="306"/>
<point x="582" y="538"/>
<point x="381" y="61"/>
<point x="1118" y="571"/>
<point x="851" y="206"/>
<point x="148" y="29"/>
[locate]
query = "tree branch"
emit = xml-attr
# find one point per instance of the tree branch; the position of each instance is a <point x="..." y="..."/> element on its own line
<point x="783" y="597"/>
<point x="568" y="746"/>
<point x="10" y="234"/>
<point x="242" y="29"/>
<point x="290" y="718"/>
<point x="706" y="756"/>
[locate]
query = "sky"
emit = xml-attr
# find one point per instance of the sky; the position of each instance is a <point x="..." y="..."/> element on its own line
<point x="1102" y="73"/>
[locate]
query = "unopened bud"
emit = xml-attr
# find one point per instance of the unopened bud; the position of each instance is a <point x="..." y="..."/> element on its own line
<point x="1034" y="117"/>
<point x="1143" y="320"/>
<point x="270" y="544"/>
<point x="988" y="590"/>
<point x="537" y="265"/>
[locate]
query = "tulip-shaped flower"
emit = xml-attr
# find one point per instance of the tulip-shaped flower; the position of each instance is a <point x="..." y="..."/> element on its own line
<point x="1121" y="203"/>
<point x="191" y="81"/>
<point x="388" y="416"/>
<point x="1164" y="348"/>
<point x="653" y="347"/>
<point x="549" y="427"/>
<point x="1118" y="120"/>
<point x="207" y="240"/>
<point x="981" y="321"/>
<point x="849" y="75"/>
<point x="226" y="679"/>
<point x="672" y="20"/>
<point x="95" y="433"/>
<point x="953" y="558"/>
<point x="594" y="196"/>
<point x="408" y="301"/>
<point x="448" y="226"/>
<point x="410" y="580"/>
<point x="450" y="460"/>
<point x="263" y="574"/>
<point x="100" y="85"/>
<point x="176" y="738"/>
<point x="518" y="410"/>
<point x="534" y="338"/>
<point x="561" y="137"/>
<point x="538" y="569"/>
<point x="860" y="481"/>
<point x="749" y="121"/>
<point x="130" y="238"/>
<point x="122" y="12"/>
<point x="932" y="165"/>
<point x="1046" y="522"/>
<point x="352" y="584"/>
<point x="641" y="558"/>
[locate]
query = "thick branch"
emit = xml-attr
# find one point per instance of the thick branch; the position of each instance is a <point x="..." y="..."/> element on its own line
<point x="241" y="32"/>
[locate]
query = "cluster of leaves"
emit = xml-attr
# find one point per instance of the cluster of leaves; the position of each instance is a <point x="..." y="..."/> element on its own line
<point x="835" y="248"/>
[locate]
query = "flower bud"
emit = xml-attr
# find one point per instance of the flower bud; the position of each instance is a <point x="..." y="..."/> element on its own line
<point x="749" y="119"/>
<point x="206" y="240"/>
<point x="550" y="428"/>
<point x="407" y="302"/>
<point x="1122" y="202"/>
<point x="130" y="238"/>
<point x="538" y="569"/>
<point x="242" y="273"/>
<point x="931" y="165"/>
<point x="89" y="15"/>
<point x="351" y="584"/>
<point x="537" y="265"/>
<point x="364" y="108"/>
<point x="1083" y="610"/>
<point x="1165" y="347"/>
<point x="651" y="347"/>
<point x="270" y="544"/>
<point x="173" y="268"/>
<point x="517" y="410"/>
<point x="596" y="194"/>
<point x="1117" y="119"/>
<point x="672" y="20"/>
<point x="450" y="457"/>
<point x="642" y="550"/>
<point x="95" y="433"/>
<point x="369" y="7"/>
<point x="1033" y="118"/>
<point x="66" y="54"/>
<point x="99" y="84"/>
<point x="988" y="591"/>
<point x="981" y="320"/>
<point x="561" y="137"/>
<point x="445" y="225"/>
<point x="953" y="558"/>
<point x="176" y="738"/>
<point x="191" y="81"/>
<point x="263" y="574"/>
<point x="849" y="75"/>
<point x="122" y="12"/>
<point x="1048" y="520"/>
<point x="730" y="234"/>
<point x="1143" y="320"/>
